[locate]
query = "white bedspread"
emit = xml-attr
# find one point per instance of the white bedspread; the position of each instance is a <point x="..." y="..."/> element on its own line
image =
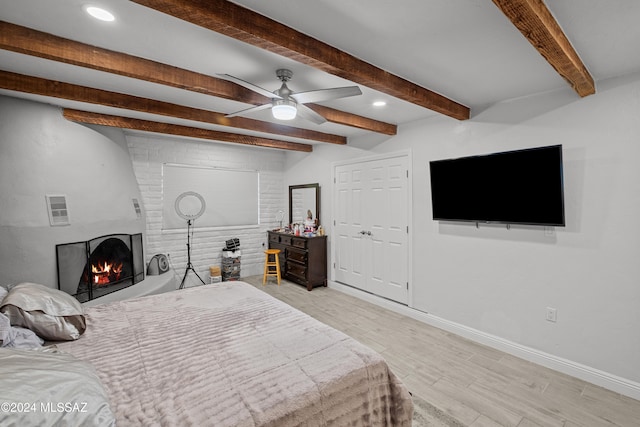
<point x="231" y="355"/>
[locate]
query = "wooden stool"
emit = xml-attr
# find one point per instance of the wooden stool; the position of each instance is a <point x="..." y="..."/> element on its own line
<point x="268" y="265"/>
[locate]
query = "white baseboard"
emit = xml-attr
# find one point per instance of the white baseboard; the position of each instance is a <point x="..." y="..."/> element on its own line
<point x="586" y="373"/>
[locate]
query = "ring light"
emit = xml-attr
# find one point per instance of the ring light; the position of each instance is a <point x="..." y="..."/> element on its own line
<point x="187" y="205"/>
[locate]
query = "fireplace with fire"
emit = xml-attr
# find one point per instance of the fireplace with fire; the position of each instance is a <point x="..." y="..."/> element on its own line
<point x="91" y="269"/>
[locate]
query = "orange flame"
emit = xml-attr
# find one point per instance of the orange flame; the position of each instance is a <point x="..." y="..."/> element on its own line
<point x="106" y="273"/>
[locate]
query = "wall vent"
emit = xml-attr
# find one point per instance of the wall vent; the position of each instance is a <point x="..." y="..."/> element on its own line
<point x="136" y="206"/>
<point x="58" y="211"/>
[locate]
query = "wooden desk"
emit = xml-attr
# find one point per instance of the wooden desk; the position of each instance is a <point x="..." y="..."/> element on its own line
<point x="303" y="260"/>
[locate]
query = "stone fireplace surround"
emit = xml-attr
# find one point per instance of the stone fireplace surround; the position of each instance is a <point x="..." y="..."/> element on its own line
<point x="42" y="153"/>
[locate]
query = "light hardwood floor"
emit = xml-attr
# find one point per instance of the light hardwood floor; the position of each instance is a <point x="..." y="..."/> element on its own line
<point x="477" y="385"/>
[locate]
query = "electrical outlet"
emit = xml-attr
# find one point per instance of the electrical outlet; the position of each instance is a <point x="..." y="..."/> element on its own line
<point x="552" y="314"/>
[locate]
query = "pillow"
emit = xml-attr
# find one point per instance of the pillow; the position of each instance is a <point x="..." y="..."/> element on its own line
<point x="52" y="314"/>
<point x="11" y="336"/>
<point x="50" y="389"/>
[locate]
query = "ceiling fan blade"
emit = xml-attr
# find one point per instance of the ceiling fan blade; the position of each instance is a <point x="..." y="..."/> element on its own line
<point x="325" y="94"/>
<point x="249" y="86"/>
<point x="308" y="114"/>
<point x="249" y="110"/>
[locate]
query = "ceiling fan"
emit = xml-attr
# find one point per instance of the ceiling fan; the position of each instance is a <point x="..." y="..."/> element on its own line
<point x="286" y="104"/>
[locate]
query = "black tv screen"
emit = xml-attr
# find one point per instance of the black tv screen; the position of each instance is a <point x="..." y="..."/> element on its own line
<point x="512" y="187"/>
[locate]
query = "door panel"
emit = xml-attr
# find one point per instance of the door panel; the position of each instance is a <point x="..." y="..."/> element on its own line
<point x="389" y="232"/>
<point x="349" y="261"/>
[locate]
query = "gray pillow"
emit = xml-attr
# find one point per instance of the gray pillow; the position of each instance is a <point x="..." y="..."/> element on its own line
<point x="52" y="314"/>
<point x="50" y="389"/>
<point x="16" y="337"/>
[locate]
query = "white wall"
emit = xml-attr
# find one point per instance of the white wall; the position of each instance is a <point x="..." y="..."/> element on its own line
<point x="150" y="152"/>
<point x="100" y="170"/>
<point x="43" y="153"/>
<point x="315" y="167"/>
<point x="500" y="281"/>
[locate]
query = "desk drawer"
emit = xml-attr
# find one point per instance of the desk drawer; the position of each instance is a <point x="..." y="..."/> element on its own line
<point x="299" y="243"/>
<point x="297" y="256"/>
<point x="296" y="270"/>
<point x="274" y="238"/>
<point x="285" y="240"/>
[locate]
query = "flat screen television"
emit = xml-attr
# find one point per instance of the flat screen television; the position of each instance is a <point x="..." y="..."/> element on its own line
<point x="512" y="187"/>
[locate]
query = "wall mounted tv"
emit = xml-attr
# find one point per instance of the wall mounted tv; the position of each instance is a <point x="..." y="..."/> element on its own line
<point x="512" y="187"/>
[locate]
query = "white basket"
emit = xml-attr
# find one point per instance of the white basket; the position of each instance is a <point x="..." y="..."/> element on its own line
<point x="231" y="254"/>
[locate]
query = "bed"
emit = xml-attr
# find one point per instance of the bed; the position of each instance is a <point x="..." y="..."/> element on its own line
<point x="231" y="355"/>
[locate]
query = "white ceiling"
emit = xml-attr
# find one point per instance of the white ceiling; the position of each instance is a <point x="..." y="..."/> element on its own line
<point x="466" y="50"/>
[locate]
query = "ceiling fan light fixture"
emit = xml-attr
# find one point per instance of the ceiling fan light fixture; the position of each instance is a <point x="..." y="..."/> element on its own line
<point x="284" y="109"/>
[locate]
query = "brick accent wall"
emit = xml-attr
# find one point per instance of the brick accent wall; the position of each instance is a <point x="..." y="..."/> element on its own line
<point x="149" y="153"/>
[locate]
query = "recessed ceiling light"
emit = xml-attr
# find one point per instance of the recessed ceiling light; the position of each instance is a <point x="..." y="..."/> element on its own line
<point x="379" y="104"/>
<point x="100" y="14"/>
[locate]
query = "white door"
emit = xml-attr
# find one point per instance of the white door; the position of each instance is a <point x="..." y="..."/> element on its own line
<point x="349" y="239"/>
<point x="371" y="226"/>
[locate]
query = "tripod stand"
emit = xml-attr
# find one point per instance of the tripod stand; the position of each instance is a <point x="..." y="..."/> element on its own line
<point x="189" y="265"/>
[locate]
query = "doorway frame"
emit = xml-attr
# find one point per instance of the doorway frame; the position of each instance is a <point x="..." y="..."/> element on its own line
<point x="383" y="156"/>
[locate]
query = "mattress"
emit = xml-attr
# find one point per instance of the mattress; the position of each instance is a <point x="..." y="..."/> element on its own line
<point x="231" y="355"/>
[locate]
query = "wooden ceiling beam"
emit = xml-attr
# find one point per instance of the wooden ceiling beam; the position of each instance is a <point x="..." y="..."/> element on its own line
<point x="250" y="27"/>
<point x="354" y="120"/>
<point x="537" y="24"/>
<point x="56" y="89"/>
<point x="32" y="42"/>
<point x="179" y="130"/>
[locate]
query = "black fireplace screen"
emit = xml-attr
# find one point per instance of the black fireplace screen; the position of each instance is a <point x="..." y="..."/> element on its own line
<point x="91" y="269"/>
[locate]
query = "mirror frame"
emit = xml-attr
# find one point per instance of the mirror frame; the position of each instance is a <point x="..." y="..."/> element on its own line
<point x="294" y="187"/>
